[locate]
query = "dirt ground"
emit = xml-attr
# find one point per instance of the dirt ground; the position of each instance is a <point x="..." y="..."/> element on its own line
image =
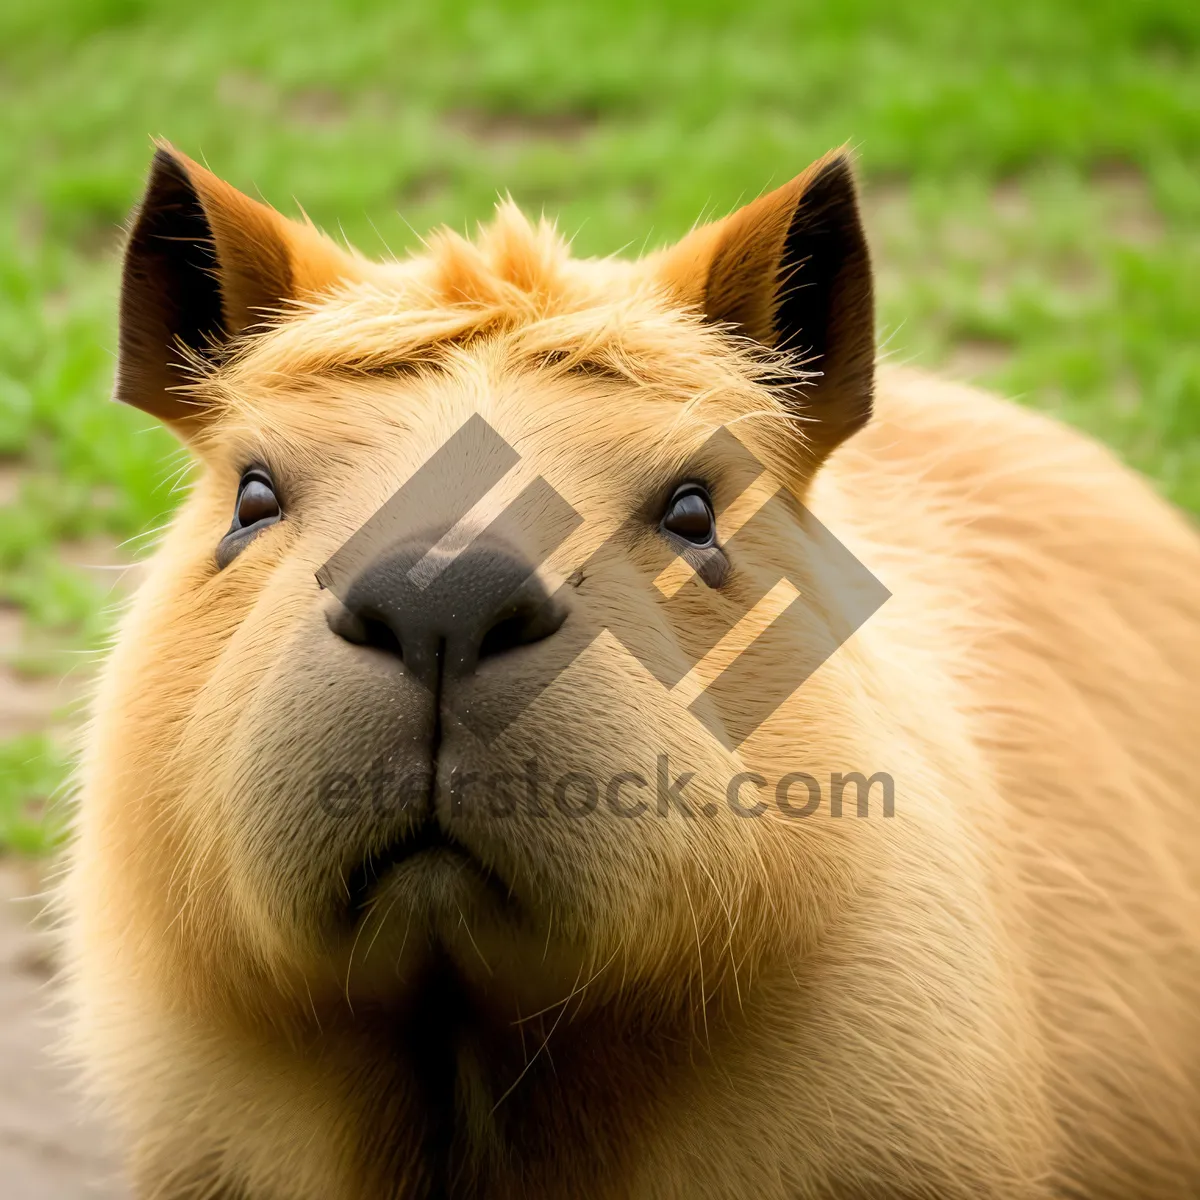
<point x="51" y="1146"/>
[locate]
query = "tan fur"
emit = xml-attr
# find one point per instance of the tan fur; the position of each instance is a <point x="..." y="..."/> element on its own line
<point x="994" y="993"/>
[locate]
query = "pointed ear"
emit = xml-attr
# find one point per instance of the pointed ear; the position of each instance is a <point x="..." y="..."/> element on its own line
<point x="791" y="271"/>
<point x="204" y="265"/>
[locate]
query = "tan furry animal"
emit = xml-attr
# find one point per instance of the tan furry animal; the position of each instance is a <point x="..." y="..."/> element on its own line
<point x="985" y="984"/>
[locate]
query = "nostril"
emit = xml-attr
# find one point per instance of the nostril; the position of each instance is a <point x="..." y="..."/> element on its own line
<point x="381" y="635"/>
<point x="507" y="634"/>
<point x="536" y="616"/>
<point x="365" y="629"/>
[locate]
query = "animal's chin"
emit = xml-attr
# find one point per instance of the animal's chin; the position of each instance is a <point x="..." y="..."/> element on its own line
<point x="423" y="860"/>
<point x="425" y="898"/>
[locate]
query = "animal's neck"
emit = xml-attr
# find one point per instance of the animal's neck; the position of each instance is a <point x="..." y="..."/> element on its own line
<point x="558" y="1105"/>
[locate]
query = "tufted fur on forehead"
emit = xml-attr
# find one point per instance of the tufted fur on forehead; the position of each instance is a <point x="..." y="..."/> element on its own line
<point x="517" y="289"/>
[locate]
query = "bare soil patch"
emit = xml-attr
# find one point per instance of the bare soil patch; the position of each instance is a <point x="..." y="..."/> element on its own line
<point x="27" y="703"/>
<point x="1130" y="211"/>
<point x="11" y="475"/>
<point x="973" y="359"/>
<point x="51" y="1146"/>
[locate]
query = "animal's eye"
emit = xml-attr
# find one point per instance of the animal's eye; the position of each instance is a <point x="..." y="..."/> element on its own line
<point x="256" y="500"/>
<point x="256" y="507"/>
<point x="689" y="515"/>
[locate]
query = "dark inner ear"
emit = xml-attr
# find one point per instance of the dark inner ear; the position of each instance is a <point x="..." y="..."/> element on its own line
<point x="794" y="274"/>
<point x="172" y="285"/>
<point x="826" y="304"/>
<point x="202" y="264"/>
<point x="817" y="248"/>
<point x="205" y="266"/>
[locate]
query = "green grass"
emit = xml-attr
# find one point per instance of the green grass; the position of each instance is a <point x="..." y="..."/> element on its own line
<point x="32" y="771"/>
<point x="1032" y="171"/>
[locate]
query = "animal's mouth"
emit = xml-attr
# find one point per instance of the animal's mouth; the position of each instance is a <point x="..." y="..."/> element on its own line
<point x="425" y="840"/>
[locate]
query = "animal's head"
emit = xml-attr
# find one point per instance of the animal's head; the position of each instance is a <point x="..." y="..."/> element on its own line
<point x="346" y="737"/>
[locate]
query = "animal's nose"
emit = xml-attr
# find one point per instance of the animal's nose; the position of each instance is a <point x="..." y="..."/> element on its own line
<point x="442" y="614"/>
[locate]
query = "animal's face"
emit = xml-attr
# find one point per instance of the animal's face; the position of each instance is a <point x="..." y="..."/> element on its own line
<point x="371" y="737"/>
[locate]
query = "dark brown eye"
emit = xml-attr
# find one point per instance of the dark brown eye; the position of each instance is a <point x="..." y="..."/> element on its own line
<point x="690" y="516"/>
<point x="256" y="501"/>
<point x="255" y="509"/>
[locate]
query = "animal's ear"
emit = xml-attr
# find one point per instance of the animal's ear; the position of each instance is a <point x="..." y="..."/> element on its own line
<point x="205" y="264"/>
<point x="791" y="271"/>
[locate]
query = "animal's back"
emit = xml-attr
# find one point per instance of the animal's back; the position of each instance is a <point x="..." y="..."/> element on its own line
<point x="1077" y="594"/>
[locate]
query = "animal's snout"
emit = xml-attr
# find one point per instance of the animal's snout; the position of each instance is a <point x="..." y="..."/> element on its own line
<point x="442" y="614"/>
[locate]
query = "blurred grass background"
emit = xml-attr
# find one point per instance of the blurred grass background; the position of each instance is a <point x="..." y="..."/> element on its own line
<point x="1032" y="191"/>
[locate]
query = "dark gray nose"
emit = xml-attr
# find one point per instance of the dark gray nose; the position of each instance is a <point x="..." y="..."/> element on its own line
<point x="441" y="615"/>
